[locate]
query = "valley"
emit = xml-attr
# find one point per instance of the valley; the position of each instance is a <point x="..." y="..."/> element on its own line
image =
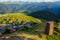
<point x="29" y="21"/>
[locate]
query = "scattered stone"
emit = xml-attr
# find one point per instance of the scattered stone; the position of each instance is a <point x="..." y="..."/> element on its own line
<point x="16" y="38"/>
<point x="28" y="25"/>
<point x="0" y="34"/>
<point x="12" y="30"/>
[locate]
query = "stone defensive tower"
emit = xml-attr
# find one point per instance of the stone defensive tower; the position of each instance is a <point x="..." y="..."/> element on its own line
<point x="49" y="28"/>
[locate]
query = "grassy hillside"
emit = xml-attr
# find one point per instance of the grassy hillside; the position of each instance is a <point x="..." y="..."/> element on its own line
<point x="17" y="17"/>
<point x="36" y="29"/>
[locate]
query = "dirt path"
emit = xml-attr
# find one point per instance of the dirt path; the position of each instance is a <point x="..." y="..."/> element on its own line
<point x="32" y="36"/>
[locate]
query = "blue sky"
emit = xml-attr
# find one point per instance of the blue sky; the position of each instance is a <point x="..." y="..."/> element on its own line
<point x="32" y="0"/>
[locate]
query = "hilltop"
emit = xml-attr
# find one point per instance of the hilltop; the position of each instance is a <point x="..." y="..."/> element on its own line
<point x="17" y="16"/>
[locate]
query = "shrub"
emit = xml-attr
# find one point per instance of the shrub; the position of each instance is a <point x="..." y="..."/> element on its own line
<point x="7" y="31"/>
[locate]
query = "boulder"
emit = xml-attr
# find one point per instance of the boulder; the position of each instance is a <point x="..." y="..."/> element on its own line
<point x="12" y="30"/>
<point x="0" y="33"/>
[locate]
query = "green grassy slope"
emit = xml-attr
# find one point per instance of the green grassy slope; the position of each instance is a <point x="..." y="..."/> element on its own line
<point x="19" y="16"/>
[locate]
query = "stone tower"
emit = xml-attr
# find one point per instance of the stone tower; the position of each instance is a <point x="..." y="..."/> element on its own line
<point x="49" y="28"/>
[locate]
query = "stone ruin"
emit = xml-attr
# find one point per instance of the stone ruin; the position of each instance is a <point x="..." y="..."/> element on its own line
<point x="49" y="28"/>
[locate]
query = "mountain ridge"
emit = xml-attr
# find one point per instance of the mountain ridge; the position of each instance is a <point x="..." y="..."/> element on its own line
<point x="53" y="7"/>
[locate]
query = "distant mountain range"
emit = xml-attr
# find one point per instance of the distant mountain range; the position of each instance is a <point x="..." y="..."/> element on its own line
<point x="53" y="7"/>
<point x="45" y="15"/>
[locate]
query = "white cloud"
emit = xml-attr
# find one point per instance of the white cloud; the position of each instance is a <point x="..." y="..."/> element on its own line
<point x="3" y="0"/>
<point x="32" y="0"/>
<point x="37" y="0"/>
<point x="49" y="0"/>
<point x="46" y="0"/>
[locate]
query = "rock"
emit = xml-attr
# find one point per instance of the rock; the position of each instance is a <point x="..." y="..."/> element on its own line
<point x="16" y="38"/>
<point x="12" y="30"/>
<point x="0" y="34"/>
<point x="28" y="25"/>
<point x="14" y="27"/>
